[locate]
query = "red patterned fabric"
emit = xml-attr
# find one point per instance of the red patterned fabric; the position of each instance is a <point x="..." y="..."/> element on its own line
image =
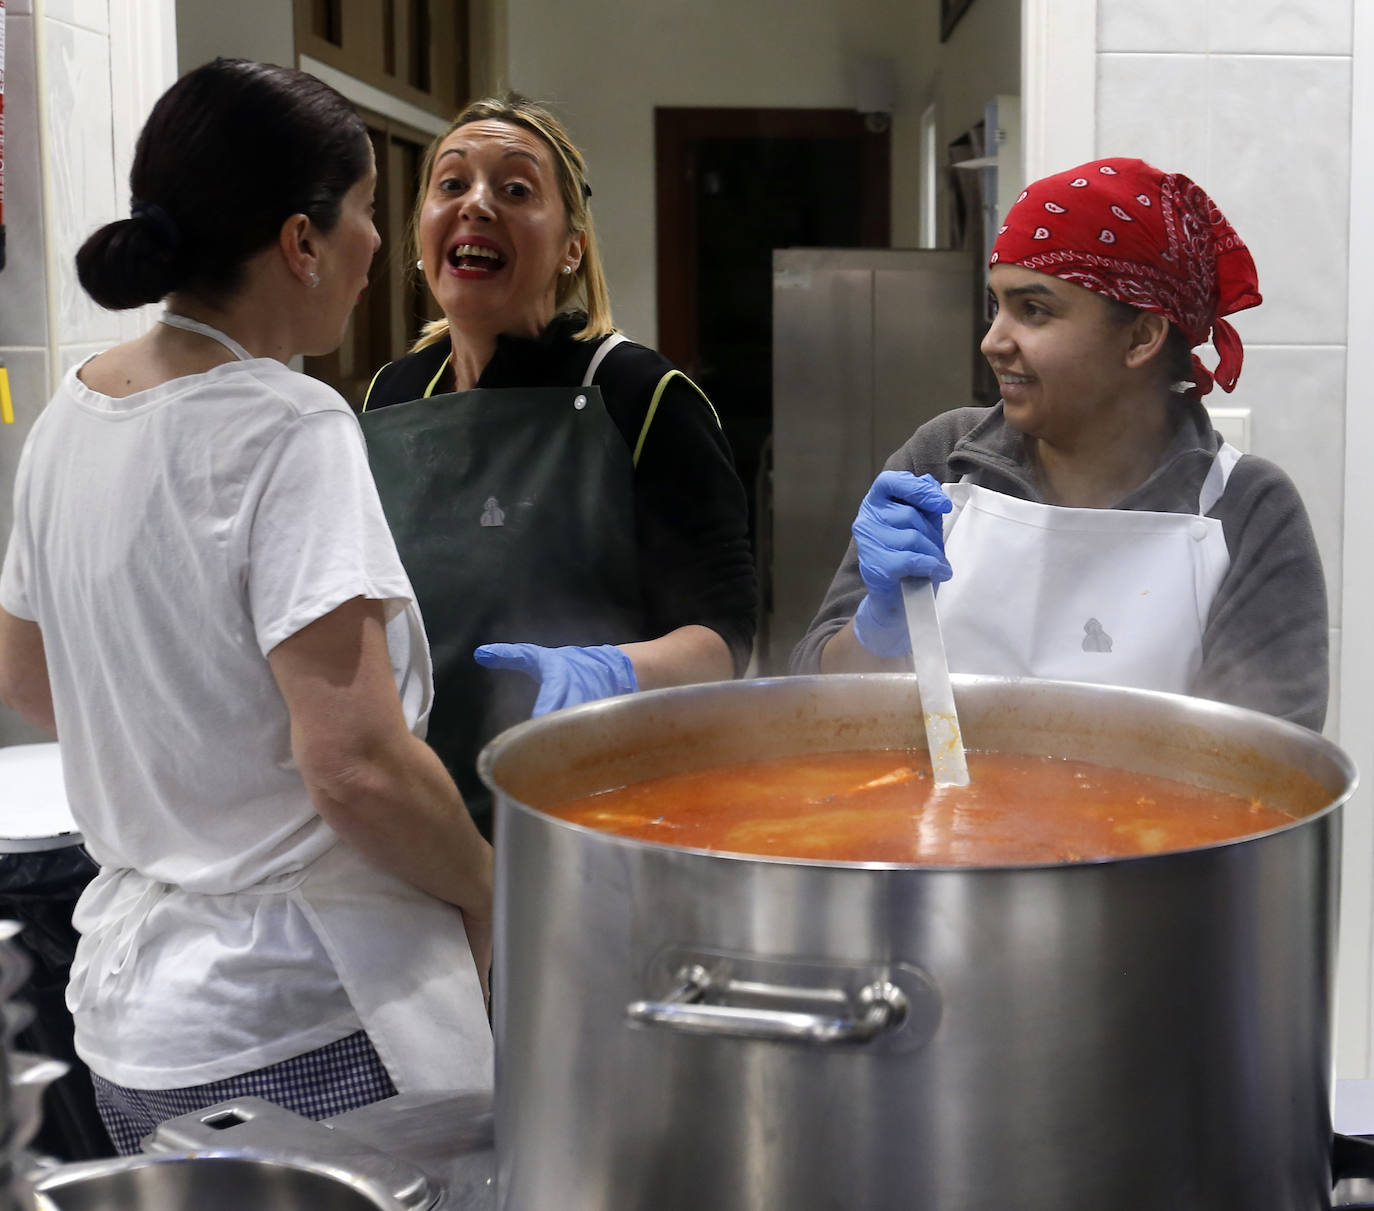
<point x="1149" y="238"/>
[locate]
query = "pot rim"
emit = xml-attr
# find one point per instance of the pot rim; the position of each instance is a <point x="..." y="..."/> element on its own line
<point x="1198" y="708"/>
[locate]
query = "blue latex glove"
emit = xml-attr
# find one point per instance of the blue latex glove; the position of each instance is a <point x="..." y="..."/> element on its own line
<point x="899" y="535"/>
<point x="566" y="676"/>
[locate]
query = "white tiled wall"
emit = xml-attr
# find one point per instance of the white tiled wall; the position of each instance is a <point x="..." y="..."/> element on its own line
<point x="81" y="165"/>
<point x="65" y="101"/>
<point x="1252" y="99"/>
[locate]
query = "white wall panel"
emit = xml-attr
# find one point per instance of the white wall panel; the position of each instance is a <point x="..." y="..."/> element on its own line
<point x="1147" y="106"/>
<point x="1279" y="161"/>
<point x="81" y="163"/>
<point x="1160" y="25"/>
<point x="1279" y="27"/>
<point x="89" y="14"/>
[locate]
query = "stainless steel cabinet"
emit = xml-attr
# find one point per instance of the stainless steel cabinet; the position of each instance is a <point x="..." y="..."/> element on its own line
<point x="867" y="346"/>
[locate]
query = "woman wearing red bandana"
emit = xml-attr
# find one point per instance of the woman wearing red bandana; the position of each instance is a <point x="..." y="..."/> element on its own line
<point x="1093" y="526"/>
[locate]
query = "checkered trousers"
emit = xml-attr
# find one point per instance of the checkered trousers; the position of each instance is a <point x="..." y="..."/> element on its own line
<point x="319" y="1084"/>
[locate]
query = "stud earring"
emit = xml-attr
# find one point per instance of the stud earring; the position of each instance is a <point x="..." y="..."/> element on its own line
<point x="314" y="279"/>
<point x="567" y="269"/>
<point x="420" y="265"/>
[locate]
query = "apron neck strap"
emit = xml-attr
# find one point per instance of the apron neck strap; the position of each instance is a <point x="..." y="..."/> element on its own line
<point x="172" y="320"/>
<point x="598" y="357"/>
<point x="1215" y="483"/>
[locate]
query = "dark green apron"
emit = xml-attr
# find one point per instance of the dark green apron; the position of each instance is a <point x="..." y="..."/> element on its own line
<point x="513" y="511"/>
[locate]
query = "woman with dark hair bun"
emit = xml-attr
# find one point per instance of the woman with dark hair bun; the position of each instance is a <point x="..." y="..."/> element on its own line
<point x="201" y="598"/>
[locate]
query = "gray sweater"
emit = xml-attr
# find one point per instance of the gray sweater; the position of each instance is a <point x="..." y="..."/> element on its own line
<point x="1265" y="642"/>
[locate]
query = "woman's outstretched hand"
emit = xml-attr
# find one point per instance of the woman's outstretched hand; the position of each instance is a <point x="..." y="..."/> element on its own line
<point x="566" y="676"/>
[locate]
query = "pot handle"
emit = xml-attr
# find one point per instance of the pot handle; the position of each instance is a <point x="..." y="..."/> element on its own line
<point x="882" y="1007"/>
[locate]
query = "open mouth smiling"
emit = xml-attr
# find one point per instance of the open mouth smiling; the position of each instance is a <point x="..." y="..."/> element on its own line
<point x="476" y="257"/>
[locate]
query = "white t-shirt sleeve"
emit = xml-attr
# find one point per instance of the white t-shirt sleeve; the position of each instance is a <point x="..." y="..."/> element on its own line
<point x="316" y="534"/>
<point x="15" y="572"/>
<point x="12" y="579"/>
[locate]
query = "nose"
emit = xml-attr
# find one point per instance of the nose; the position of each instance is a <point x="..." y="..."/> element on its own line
<point x="997" y="339"/>
<point x="477" y="201"/>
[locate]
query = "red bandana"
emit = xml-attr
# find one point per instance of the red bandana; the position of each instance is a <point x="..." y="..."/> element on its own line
<point x="1148" y="238"/>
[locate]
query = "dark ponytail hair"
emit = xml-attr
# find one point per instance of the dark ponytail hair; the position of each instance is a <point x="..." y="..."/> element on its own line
<point x="229" y="153"/>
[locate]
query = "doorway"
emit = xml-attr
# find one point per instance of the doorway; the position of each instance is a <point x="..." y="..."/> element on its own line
<point x="733" y="185"/>
<point x="396" y="304"/>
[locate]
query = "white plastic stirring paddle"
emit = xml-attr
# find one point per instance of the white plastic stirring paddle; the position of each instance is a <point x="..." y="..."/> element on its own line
<point x="943" y="738"/>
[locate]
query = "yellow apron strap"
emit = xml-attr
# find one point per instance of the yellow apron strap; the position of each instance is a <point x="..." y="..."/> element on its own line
<point x="438" y="374"/>
<point x="653" y="408"/>
<point x="367" y="395"/>
<point x="428" y="390"/>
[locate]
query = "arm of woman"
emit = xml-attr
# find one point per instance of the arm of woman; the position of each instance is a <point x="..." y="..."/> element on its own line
<point x="24" y="682"/>
<point x="692" y="532"/>
<point x="831" y="644"/>
<point x="383" y="790"/>
<point x="1265" y="641"/>
<point x="688" y="654"/>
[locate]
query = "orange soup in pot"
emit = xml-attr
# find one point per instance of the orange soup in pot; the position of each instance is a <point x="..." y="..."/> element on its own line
<point x="882" y="806"/>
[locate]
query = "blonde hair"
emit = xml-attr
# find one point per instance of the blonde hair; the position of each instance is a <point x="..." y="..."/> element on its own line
<point x="585" y="288"/>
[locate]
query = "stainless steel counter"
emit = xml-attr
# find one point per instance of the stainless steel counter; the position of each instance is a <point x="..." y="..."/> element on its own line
<point x="413" y="1145"/>
<point x="448" y="1136"/>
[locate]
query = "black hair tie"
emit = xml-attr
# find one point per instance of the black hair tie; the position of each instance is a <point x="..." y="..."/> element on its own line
<point x="160" y="219"/>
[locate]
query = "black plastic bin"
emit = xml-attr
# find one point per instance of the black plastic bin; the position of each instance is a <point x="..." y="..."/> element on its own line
<point x="39" y="889"/>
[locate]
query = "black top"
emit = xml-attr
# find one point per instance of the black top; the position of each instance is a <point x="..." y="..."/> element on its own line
<point x="690" y="508"/>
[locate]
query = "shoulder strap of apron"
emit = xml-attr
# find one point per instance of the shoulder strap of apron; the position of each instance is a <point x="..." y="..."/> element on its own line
<point x="616" y="338"/>
<point x="1212" y="487"/>
<point x="172" y="320"/>
<point x="1215" y="483"/>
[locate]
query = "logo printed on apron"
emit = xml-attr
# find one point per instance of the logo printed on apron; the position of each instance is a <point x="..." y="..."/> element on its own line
<point x="1095" y="639"/>
<point x="492" y="513"/>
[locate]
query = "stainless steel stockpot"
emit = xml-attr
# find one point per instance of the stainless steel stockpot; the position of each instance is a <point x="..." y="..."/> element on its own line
<point x="681" y="1029"/>
<point x="208" y="1181"/>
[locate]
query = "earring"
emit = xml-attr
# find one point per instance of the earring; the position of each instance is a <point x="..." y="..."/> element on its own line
<point x="420" y="265"/>
<point x="314" y="279"/>
<point x="567" y="269"/>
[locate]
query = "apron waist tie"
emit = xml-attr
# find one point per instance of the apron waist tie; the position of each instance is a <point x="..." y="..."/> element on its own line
<point x="153" y="893"/>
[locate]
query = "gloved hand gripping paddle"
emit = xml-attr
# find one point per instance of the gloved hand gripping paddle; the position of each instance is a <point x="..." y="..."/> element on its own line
<point x="899" y="535"/>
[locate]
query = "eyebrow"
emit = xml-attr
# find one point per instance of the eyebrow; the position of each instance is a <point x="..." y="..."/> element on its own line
<point x="1013" y="292"/>
<point x="505" y="155"/>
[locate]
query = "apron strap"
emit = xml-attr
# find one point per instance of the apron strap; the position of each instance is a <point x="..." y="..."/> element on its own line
<point x="172" y="320"/>
<point x="616" y="338"/>
<point x="1212" y="487"/>
<point x="1215" y="483"/>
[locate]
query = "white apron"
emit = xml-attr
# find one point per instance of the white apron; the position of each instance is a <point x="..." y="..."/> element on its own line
<point x="1104" y="595"/>
<point x="401" y="955"/>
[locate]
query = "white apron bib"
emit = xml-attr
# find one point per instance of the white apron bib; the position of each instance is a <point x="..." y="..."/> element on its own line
<point x="1104" y="595"/>
<point x="401" y="955"/>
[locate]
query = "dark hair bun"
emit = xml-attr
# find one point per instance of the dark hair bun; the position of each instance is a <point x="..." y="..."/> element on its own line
<point x="296" y="147"/>
<point x="128" y="263"/>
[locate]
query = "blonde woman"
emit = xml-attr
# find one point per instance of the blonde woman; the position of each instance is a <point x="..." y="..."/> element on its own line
<point x="564" y="499"/>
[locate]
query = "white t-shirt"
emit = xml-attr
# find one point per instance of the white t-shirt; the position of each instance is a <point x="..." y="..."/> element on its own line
<point x="165" y="542"/>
